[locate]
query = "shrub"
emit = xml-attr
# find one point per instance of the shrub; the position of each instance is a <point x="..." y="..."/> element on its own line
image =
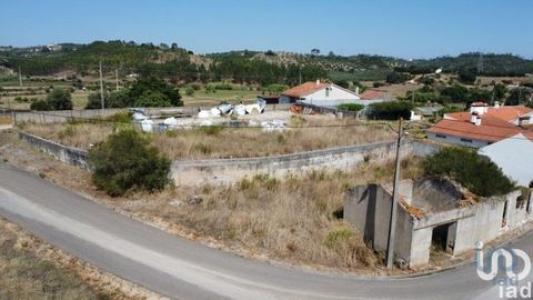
<point x="40" y="105"/>
<point x="152" y="91"/>
<point x="467" y="75"/>
<point x="189" y="91"/>
<point x="390" y="110"/>
<point x="125" y="161"/>
<point x="395" y="77"/>
<point x="59" y="99"/>
<point x="350" y="106"/>
<point x="477" y="173"/>
<point x="152" y="99"/>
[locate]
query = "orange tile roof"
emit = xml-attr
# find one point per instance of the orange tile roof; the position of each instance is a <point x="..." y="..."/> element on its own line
<point x="305" y="89"/>
<point x="508" y="113"/>
<point x="471" y="131"/>
<point x="372" y="95"/>
<point x="505" y="113"/>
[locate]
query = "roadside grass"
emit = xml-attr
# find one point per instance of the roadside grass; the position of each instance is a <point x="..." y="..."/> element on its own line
<point x="218" y="142"/>
<point x="297" y="218"/>
<point x="25" y="276"/>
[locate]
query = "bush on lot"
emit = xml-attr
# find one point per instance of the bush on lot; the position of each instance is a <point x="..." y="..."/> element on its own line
<point x="40" y="105"/>
<point x="57" y="99"/>
<point x="477" y="173"/>
<point x="350" y="106"/>
<point x="125" y="161"/>
<point x="391" y="110"/>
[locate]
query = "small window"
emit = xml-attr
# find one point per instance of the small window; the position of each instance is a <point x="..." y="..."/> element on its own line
<point x="441" y="136"/>
<point x="327" y="91"/>
<point x="466" y="140"/>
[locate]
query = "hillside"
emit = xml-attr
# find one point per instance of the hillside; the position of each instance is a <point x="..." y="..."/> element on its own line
<point x="265" y="67"/>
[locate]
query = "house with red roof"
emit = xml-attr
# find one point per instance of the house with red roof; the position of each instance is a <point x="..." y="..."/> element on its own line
<point x="319" y="93"/>
<point x="483" y="125"/>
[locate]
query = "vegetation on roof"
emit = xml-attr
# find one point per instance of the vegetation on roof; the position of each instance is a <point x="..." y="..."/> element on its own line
<point x="475" y="172"/>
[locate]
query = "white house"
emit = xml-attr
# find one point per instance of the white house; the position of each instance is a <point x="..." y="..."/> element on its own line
<point x="514" y="156"/>
<point x="482" y="125"/>
<point x="320" y="94"/>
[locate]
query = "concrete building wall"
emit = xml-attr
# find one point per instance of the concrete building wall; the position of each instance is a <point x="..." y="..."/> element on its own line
<point x="455" y="140"/>
<point x="368" y="208"/>
<point x="484" y="224"/>
<point x="334" y="93"/>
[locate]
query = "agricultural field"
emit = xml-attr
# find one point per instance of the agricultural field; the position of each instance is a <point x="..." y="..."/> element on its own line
<point x="204" y="97"/>
<point x="305" y="134"/>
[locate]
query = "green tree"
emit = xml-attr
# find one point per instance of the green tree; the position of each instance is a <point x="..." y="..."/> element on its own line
<point x="467" y="75"/>
<point x="477" y="173"/>
<point x="390" y="110"/>
<point x="152" y="99"/>
<point x="126" y="161"/>
<point x="396" y="77"/>
<point x="59" y="99"/>
<point x="154" y="90"/>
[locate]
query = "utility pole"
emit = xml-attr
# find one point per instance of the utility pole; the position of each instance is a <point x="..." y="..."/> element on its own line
<point x="116" y="79"/>
<point x="300" y="73"/>
<point x="413" y="97"/>
<point x="101" y="85"/>
<point x="395" y="199"/>
<point x="20" y="77"/>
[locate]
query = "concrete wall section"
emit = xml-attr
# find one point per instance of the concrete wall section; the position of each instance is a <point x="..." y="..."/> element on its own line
<point x="455" y="140"/>
<point x="368" y="208"/>
<point x="485" y="225"/>
<point x="73" y="156"/>
<point x="61" y="116"/>
<point x="230" y="170"/>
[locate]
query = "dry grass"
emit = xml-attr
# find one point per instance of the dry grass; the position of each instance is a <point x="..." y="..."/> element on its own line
<point x="218" y="142"/>
<point x="5" y="120"/>
<point x="297" y="219"/>
<point x="25" y="276"/>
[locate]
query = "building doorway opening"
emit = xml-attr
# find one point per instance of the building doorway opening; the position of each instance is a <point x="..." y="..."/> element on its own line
<point x="504" y="217"/>
<point x="443" y="241"/>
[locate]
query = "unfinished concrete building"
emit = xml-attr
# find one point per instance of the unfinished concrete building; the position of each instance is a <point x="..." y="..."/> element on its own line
<point x="433" y="213"/>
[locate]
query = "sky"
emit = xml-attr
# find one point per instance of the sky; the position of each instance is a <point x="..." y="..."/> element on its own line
<point x="407" y="29"/>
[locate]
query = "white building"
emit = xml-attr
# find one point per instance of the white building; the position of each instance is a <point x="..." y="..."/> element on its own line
<point x="483" y="125"/>
<point x="514" y="156"/>
<point x="320" y="94"/>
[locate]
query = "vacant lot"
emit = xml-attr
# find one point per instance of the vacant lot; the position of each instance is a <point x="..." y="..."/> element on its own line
<point x="309" y="133"/>
<point x="297" y="219"/>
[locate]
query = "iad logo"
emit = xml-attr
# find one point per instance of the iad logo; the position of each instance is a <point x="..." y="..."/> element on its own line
<point x="509" y="286"/>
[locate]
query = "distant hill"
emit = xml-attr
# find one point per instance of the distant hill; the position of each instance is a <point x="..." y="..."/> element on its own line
<point x="243" y="65"/>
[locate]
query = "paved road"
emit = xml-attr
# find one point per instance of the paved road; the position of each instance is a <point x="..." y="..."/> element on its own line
<point x="186" y="270"/>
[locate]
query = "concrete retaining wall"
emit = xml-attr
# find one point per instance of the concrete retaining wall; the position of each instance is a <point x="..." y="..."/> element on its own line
<point x="62" y="116"/>
<point x="73" y="156"/>
<point x="230" y="170"/>
<point x="342" y="158"/>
